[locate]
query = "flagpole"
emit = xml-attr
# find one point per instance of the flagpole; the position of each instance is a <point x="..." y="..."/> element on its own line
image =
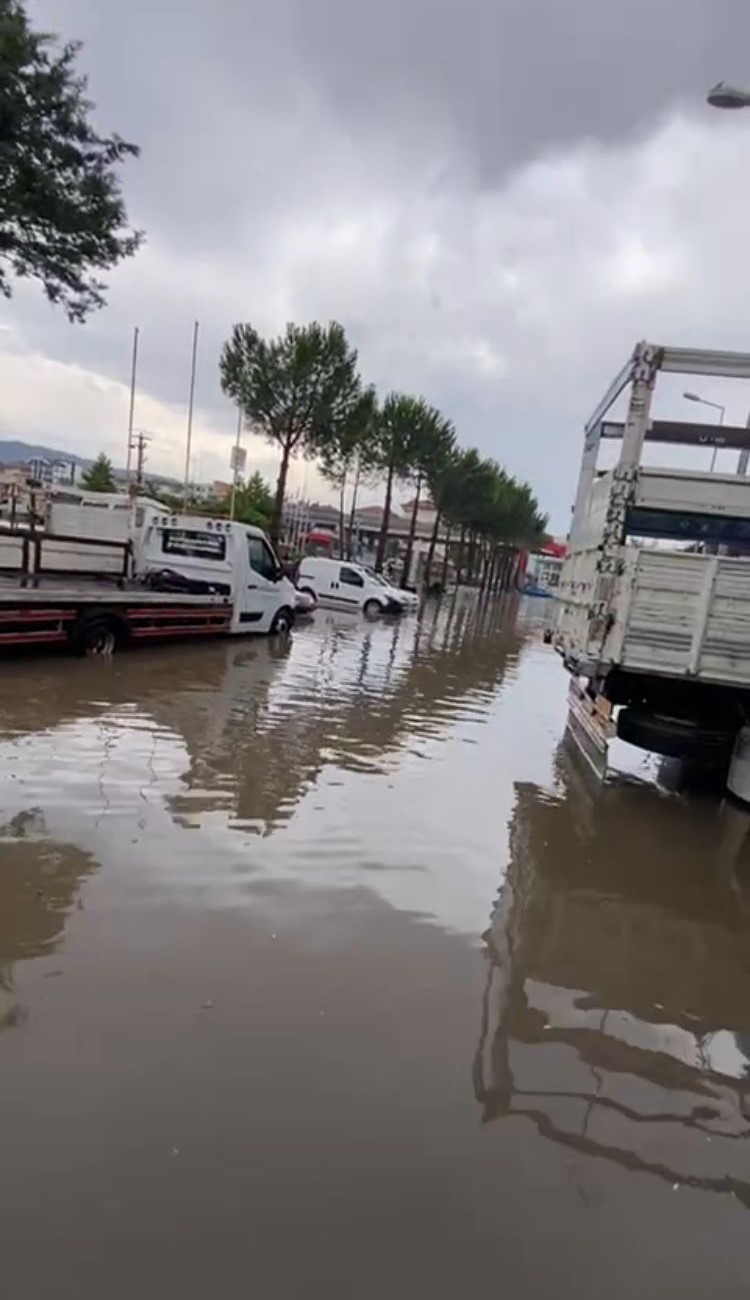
<point x="189" y="436"/>
<point x="132" y="405"/>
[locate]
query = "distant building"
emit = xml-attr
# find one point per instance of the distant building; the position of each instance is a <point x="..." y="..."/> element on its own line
<point x="51" y="473"/>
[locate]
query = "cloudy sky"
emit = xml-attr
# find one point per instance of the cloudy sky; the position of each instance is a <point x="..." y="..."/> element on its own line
<point x="496" y="198"/>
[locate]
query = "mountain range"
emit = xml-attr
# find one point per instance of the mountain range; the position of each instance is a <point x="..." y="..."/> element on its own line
<point x="13" y="452"/>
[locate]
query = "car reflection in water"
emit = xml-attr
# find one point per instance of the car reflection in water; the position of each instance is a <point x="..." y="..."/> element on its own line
<point x="617" y="1003"/>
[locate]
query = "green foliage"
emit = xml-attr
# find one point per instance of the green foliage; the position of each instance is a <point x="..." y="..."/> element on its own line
<point x="253" y="502"/>
<point x="99" y="477"/>
<point x="62" y="217"/>
<point x="303" y="391"/>
<point x="297" y="389"/>
<point x="351" y="440"/>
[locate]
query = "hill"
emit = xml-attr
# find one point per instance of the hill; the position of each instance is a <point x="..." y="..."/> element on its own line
<point x="11" y="452"/>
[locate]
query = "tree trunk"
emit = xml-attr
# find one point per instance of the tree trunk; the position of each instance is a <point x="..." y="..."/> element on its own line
<point x="471" y="557"/>
<point x="383" y="535"/>
<point x="484" y="561"/>
<point x="278" y="507"/>
<point x="410" y="538"/>
<point x="446" y="546"/>
<point x="460" y="560"/>
<point x="352" y="510"/>
<point x="342" y="490"/>
<point x="431" y="551"/>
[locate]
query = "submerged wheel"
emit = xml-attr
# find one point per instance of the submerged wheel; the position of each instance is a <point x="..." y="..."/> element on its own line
<point x="283" y="622"/>
<point x="96" y="634"/>
<point x="372" y="608"/>
<point x="675" y="736"/>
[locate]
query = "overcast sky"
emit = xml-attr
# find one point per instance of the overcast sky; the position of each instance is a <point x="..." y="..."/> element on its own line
<point x="495" y="197"/>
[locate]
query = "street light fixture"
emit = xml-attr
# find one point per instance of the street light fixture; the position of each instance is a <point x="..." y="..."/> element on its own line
<point x="717" y="406"/>
<point x="724" y="96"/>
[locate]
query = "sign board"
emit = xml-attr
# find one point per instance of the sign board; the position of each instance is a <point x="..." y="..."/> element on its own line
<point x="238" y="459"/>
<point x="686" y="434"/>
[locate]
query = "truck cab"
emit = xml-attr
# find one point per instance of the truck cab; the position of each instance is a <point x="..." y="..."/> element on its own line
<point x="202" y="555"/>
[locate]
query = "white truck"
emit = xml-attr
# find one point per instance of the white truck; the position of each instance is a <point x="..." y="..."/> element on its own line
<point x="653" y="610"/>
<point x="95" y="579"/>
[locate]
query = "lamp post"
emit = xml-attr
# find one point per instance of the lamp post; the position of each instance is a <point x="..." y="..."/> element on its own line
<point x="717" y="406"/>
<point x="723" y="96"/>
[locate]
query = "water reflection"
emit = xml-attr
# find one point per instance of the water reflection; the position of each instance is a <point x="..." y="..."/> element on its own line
<point x="39" y="885"/>
<point x="250" y="727"/>
<point x="616" y="1009"/>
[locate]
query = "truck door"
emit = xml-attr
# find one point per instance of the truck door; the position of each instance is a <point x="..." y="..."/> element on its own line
<point x="258" y="592"/>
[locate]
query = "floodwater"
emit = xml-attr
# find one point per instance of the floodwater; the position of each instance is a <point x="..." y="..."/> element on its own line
<point x="329" y="971"/>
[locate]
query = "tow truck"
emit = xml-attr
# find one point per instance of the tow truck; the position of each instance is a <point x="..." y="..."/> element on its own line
<point x="97" y="576"/>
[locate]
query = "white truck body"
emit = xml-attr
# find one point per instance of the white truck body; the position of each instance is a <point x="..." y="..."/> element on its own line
<point x="237" y="560"/>
<point x="654" y="599"/>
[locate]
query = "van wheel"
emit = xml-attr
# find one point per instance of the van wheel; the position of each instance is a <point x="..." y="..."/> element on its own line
<point x="283" y="622"/>
<point x="308" y="591"/>
<point x="372" y="608"/>
<point x="97" y="634"/>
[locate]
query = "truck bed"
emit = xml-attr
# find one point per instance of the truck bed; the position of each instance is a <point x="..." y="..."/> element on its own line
<point x="671" y="613"/>
<point x="89" y="591"/>
<point x="59" y="611"/>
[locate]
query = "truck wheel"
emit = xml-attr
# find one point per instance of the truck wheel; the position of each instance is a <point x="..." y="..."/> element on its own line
<point x="283" y="622"/>
<point x="97" y="634"/>
<point x="372" y="608"/>
<point x="674" y="736"/>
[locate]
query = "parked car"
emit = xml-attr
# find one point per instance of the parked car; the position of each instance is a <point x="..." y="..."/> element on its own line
<point x="345" y="585"/>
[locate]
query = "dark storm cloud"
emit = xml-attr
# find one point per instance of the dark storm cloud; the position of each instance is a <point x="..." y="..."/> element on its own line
<point x="457" y="180"/>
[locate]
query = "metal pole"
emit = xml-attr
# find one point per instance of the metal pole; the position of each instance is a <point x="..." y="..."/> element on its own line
<point x="134" y="365"/>
<point x="744" y="455"/>
<point x="234" y="473"/>
<point x="716" y="449"/>
<point x="190" y="410"/>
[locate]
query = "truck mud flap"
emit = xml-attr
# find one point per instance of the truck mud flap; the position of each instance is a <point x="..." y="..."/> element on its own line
<point x="590" y="726"/>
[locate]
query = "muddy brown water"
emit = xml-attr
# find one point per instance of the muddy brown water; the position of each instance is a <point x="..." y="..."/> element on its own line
<point x="328" y="970"/>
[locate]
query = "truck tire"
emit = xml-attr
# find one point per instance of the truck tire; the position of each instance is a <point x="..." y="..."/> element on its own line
<point x="675" y="736"/>
<point x="283" y="622"/>
<point x="97" y="632"/>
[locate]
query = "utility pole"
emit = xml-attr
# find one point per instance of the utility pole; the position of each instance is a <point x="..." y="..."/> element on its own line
<point x="139" y="447"/>
<point x="133" y="368"/>
<point x="189" y="436"/>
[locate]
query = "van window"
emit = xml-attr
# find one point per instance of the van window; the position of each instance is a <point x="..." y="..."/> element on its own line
<point x="261" y="558"/>
<point x="194" y="543"/>
<point x="351" y="577"/>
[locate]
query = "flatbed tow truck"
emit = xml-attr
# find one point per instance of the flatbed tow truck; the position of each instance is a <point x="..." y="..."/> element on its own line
<point x="96" y="581"/>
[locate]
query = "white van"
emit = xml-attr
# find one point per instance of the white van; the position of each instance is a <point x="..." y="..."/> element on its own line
<point x="344" y="585"/>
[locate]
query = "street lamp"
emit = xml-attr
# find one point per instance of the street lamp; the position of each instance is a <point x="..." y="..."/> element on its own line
<point x="717" y="406"/>
<point x="724" y="96"/>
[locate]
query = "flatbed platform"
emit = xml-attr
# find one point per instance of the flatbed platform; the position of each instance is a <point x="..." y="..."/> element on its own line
<point x="92" y="591"/>
<point x="92" y="616"/>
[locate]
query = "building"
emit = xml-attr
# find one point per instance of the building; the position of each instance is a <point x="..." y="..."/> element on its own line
<point x="51" y="473"/>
